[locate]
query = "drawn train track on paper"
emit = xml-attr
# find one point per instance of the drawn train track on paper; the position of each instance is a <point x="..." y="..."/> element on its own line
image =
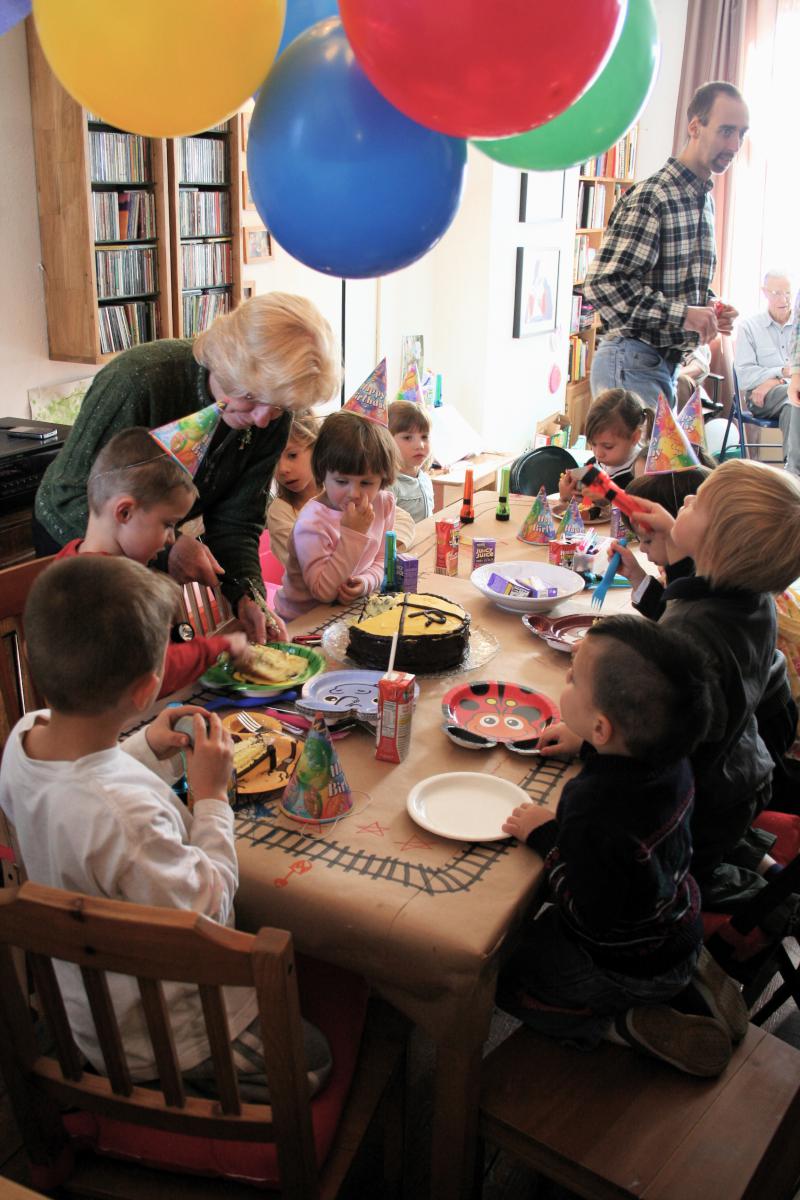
<point x="460" y="873"/>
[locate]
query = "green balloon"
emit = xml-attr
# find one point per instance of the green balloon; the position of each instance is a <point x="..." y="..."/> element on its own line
<point x="602" y="114"/>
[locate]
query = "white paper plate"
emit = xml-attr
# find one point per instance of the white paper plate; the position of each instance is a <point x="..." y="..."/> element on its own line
<point x="567" y="582"/>
<point x="464" y="805"/>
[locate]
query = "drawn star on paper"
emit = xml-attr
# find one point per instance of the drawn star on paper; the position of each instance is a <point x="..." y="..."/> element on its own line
<point x="414" y="843"/>
<point x="375" y="828"/>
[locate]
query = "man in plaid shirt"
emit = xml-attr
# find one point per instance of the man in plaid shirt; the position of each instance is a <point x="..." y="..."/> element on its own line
<point x="651" y="279"/>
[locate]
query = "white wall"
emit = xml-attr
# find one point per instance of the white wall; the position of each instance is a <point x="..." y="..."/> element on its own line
<point x="657" y="122"/>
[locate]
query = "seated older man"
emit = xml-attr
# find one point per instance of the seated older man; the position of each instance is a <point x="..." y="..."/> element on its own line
<point x="763" y="363"/>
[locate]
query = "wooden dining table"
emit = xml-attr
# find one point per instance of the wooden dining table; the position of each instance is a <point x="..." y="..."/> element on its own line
<point x="424" y="918"/>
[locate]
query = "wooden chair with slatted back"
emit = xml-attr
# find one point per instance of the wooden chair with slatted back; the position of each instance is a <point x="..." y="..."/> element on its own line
<point x="154" y="945"/>
<point x="205" y="608"/>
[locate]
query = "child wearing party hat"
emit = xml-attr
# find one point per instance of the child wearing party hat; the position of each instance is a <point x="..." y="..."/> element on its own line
<point x="138" y="493"/>
<point x="616" y="424"/>
<point x="411" y="430"/>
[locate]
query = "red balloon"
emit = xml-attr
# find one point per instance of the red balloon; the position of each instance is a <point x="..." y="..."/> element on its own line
<point x="482" y="68"/>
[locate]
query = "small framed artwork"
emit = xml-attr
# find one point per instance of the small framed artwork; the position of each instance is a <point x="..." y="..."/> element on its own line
<point x="257" y="244"/>
<point x="536" y="290"/>
<point x="247" y="196"/>
<point x="248" y="289"/>
<point x="245" y="126"/>
<point x="541" y="196"/>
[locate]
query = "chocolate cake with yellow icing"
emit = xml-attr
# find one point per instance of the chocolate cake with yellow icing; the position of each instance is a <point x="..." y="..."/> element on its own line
<point x="433" y="632"/>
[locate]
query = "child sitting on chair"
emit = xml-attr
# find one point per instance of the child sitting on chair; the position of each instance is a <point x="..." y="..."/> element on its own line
<point x="100" y="817"/>
<point x="621" y="935"/>
<point x="137" y="494"/>
<point x="411" y="430"/>
<point x="616" y="425"/>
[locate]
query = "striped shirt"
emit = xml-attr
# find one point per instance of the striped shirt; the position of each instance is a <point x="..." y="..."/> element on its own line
<point x="657" y="258"/>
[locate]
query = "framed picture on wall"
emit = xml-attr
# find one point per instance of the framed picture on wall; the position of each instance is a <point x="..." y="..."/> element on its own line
<point x="257" y="244"/>
<point x="247" y="196"/>
<point x="541" y="196"/>
<point x="536" y="290"/>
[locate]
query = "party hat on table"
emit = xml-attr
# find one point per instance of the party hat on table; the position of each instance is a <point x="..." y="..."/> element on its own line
<point x="690" y="419"/>
<point x="669" y="448"/>
<point x="538" y="526"/>
<point x="188" y="438"/>
<point x="318" y="790"/>
<point x="411" y="388"/>
<point x="369" y="400"/>
<point x="571" y="525"/>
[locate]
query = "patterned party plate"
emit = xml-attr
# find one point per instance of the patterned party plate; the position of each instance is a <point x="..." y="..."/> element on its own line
<point x="464" y="805"/>
<point x="481" y="714"/>
<point x="274" y="753"/>
<point x="222" y="677"/>
<point x="344" y="692"/>
<point x="562" y="633"/>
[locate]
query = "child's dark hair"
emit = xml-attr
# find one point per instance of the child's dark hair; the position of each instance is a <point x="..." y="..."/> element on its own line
<point x="650" y="683"/>
<point x="404" y="415"/>
<point x="353" y="445"/>
<point x="133" y="463"/>
<point x="94" y="625"/>
<point x="670" y="489"/>
<point x="617" y="408"/>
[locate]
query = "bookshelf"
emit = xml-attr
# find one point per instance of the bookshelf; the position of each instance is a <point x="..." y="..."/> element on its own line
<point x="205" y="216"/>
<point x="601" y="182"/>
<point x="104" y="227"/>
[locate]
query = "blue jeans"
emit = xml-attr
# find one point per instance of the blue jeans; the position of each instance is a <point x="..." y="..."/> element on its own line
<point x="552" y="984"/>
<point x="627" y="363"/>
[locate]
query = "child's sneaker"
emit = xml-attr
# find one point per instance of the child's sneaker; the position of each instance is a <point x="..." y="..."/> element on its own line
<point x="721" y="996"/>
<point x="696" y="1045"/>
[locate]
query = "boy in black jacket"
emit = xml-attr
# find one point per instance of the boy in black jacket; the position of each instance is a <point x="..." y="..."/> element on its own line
<point x="622" y="935"/>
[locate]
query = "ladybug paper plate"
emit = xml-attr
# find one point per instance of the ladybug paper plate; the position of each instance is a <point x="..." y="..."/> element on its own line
<point x="494" y="711"/>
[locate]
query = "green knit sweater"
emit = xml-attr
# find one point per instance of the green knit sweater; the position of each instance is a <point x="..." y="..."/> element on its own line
<point x="151" y="385"/>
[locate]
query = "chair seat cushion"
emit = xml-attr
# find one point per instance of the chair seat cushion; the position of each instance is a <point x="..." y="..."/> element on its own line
<point x="335" y="1001"/>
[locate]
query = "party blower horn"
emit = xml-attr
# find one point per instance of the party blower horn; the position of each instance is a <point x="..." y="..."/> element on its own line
<point x="318" y="790"/>
<point x="188" y="438"/>
<point x="467" y="515"/>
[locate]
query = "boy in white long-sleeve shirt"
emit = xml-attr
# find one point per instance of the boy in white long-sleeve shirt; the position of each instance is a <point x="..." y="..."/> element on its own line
<point x="97" y="816"/>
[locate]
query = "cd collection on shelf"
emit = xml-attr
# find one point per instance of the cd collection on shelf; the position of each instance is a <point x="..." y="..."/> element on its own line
<point x="126" y="325"/>
<point x="204" y="214"/>
<point x="202" y="160"/>
<point x="126" y="272"/>
<point x="206" y="264"/>
<point x="201" y="308"/>
<point x="118" y="157"/>
<point x="124" y="216"/>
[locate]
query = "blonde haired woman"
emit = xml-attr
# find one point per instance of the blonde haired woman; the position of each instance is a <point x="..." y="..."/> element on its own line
<point x="274" y="355"/>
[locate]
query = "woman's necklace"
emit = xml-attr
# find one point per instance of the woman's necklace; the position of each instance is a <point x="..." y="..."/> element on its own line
<point x="246" y="437"/>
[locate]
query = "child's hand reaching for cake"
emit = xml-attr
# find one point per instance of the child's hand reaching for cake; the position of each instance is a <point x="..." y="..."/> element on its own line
<point x="524" y="818"/>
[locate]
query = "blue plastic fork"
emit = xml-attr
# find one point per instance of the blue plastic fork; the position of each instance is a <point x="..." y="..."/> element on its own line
<point x="614" y="563"/>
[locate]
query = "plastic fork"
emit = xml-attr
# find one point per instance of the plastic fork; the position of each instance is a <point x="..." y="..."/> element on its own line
<point x="249" y="723"/>
<point x="614" y="563"/>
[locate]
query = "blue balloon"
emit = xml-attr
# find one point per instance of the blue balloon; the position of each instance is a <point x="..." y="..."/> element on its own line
<point x="301" y="15"/>
<point x="345" y="182"/>
<point x="11" y="12"/>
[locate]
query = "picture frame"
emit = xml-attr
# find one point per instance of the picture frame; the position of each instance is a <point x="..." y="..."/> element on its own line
<point x="248" y="203"/>
<point x="257" y="244"/>
<point x="536" y="290"/>
<point x="541" y="196"/>
<point x="245" y="127"/>
<point x="248" y="289"/>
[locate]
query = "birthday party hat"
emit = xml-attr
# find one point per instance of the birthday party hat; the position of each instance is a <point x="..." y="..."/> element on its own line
<point x="571" y="524"/>
<point x="369" y="400"/>
<point x="669" y="448"/>
<point x="318" y="790"/>
<point x="538" y="526"/>
<point x="188" y="438"/>
<point x="411" y="388"/>
<point x="690" y="419"/>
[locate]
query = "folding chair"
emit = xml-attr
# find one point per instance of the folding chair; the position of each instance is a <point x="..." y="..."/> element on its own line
<point x="205" y="608"/>
<point x="539" y="468"/>
<point x="741" y="415"/>
<point x="304" y="1146"/>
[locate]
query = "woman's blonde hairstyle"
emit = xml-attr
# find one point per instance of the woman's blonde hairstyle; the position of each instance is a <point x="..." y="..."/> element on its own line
<point x="304" y="430"/>
<point x="753" y="536"/>
<point x="277" y="348"/>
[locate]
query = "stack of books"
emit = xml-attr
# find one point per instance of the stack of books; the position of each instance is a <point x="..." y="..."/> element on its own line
<point x="126" y="325"/>
<point x="202" y="160"/>
<point x="124" y="216"/>
<point x="617" y="163"/>
<point x="206" y="264"/>
<point x="200" y="309"/>
<point x="204" y="214"/>
<point x="126" y="272"/>
<point x="118" y="157"/>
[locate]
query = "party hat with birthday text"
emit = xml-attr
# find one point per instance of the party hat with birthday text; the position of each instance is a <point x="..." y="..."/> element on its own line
<point x="411" y="388"/>
<point x="369" y="400"/>
<point x="571" y="525"/>
<point x="669" y="448"/>
<point x="538" y="526"/>
<point x="690" y="419"/>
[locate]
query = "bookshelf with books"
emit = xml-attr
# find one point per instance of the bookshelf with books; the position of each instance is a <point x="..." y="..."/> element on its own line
<point x="601" y="182"/>
<point x="204" y="175"/>
<point x="103" y="220"/>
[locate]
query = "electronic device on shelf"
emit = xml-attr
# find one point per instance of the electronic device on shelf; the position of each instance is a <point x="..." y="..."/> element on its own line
<point x="24" y="460"/>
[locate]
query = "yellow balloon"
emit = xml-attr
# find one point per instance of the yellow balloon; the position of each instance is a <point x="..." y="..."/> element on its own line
<point x="162" y="68"/>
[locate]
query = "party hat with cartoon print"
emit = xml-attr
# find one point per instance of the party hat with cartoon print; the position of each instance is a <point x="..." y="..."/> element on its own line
<point x="690" y="419"/>
<point x="369" y="400"/>
<point x="411" y="388"/>
<point x="188" y="438"/>
<point x="669" y="448"/>
<point x="318" y="790"/>
<point x="538" y="526"/>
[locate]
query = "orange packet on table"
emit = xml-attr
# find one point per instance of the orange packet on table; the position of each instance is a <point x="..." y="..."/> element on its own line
<point x="395" y="710"/>
<point x="447" y="535"/>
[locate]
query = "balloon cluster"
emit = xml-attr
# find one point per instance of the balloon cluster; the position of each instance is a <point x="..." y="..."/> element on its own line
<point x="357" y="145"/>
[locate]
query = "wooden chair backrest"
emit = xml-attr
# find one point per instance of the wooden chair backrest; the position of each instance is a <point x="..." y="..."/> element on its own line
<point x="205" y="608"/>
<point x="17" y="693"/>
<point x="153" y="945"/>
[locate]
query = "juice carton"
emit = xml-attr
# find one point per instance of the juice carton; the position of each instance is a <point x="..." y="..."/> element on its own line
<point x="407" y="572"/>
<point x="447" y="534"/>
<point x="483" y="551"/>
<point x="395" y="710"/>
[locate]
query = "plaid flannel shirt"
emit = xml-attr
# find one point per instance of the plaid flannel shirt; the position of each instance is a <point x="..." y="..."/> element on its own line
<point x="657" y="258"/>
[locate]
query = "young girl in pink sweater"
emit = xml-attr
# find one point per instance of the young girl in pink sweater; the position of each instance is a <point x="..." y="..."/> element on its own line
<point x="337" y="544"/>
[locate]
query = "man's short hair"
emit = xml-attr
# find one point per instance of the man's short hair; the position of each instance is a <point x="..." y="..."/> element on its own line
<point x="94" y="625"/>
<point x="702" y="101"/>
<point x="133" y="463"/>
<point x="649" y="682"/>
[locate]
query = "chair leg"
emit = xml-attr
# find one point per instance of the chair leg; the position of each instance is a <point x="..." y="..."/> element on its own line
<point x="742" y="443"/>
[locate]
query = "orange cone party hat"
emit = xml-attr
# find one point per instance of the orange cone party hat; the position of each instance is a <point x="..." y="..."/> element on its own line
<point x="411" y="388"/>
<point x="690" y="419"/>
<point x="538" y="526"/>
<point x="669" y="446"/>
<point x="318" y="790"/>
<point x="369" y="400"/>
<point x="188" y="438"/>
